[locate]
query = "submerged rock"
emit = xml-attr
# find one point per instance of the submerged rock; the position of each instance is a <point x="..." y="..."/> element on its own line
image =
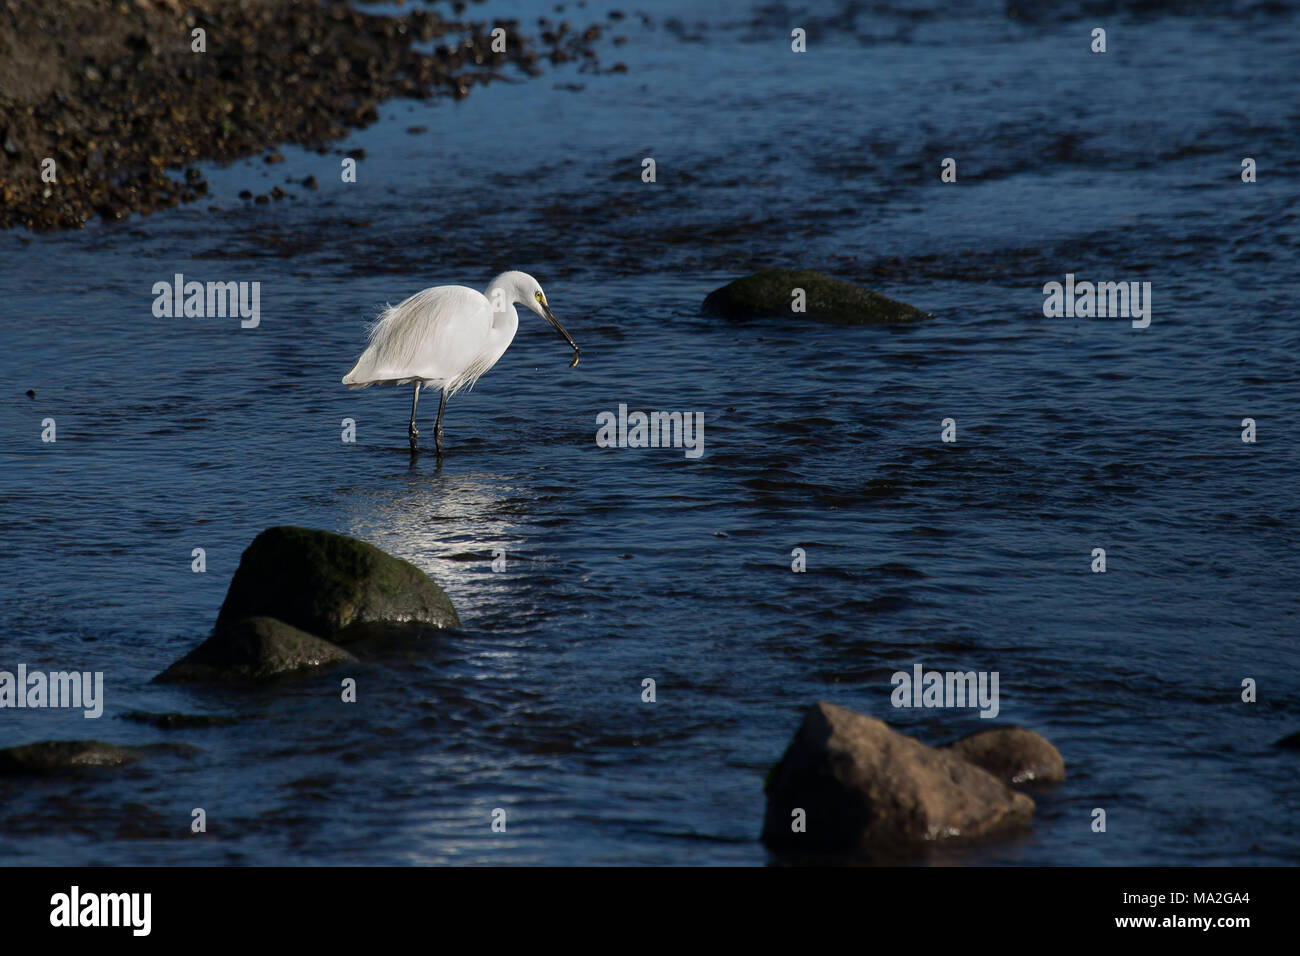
<point x="329" y="584"/>
<point x="52" y="755"/>
<point x="772" y="293"/>
<point x="864" y="789"/>
<point x="1289" y="742"/>
<point x="174" y="721"/>
<point x="254" y="649"/>
<point x="1012" y="754"/>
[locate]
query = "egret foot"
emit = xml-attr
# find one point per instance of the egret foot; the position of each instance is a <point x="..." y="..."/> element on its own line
<point x="437" y="425"/>
<point x="412" y="432"/>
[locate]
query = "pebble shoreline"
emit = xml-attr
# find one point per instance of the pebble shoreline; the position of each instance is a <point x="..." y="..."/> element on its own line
<point x="120" y="100"/>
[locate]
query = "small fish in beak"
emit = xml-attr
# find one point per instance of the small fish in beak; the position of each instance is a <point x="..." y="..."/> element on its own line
<point x="550" y="317"/>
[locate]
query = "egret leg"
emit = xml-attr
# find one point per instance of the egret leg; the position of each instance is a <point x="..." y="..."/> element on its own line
<point x="414" y="433"/>
<point x="437" y="428"/>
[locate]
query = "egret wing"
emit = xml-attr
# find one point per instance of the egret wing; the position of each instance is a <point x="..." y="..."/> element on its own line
<point x="433" y="336"/>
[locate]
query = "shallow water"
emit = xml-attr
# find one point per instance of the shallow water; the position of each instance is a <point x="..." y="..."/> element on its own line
<point x="631" y="563"/>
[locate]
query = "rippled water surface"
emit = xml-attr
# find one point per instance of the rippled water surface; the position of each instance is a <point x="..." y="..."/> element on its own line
<point x="624" y="563"/>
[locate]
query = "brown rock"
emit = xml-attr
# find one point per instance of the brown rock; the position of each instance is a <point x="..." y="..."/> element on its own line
<point x="865" y="788"/>
<point x="1012" y="754"/>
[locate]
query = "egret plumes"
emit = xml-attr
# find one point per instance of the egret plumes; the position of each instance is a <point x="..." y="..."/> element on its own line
<point x="448" y="336"/>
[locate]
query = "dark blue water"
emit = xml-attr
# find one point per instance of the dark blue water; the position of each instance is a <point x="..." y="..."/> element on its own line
<point x="632" y="563"/>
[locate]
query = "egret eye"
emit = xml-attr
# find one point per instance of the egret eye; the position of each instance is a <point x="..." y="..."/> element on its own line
<point x="539" y="295"/>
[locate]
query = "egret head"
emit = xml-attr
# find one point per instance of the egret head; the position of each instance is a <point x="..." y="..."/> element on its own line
<point x="526" y="289"/>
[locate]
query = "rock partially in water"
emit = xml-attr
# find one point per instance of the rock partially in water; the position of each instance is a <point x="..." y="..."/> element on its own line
<point x="866" y="789"/>
<point x="772" y="292"/>
<point x="1289" y="742"/>
<point x="254" y="649"/>
<point x="49" y="756"/>
<point x="331" y="585"/>
<point x="1012" y="754"/>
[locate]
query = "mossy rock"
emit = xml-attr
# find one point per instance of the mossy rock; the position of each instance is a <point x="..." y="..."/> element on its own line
<point x="254" y="649"/>
<point x="49" y="756"/>
<point x="771" y="293"/>
<point x="331" y="585"/>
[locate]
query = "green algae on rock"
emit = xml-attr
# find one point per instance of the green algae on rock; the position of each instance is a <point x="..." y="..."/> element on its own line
<point x="808" y="295"/>
<point x="331" y="586"/>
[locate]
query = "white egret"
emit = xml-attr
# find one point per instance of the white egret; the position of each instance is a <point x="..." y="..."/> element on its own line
<point x="448" y="336"/>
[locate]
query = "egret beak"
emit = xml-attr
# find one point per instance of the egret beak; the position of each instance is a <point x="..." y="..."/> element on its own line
<point x="550" y="317"/>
